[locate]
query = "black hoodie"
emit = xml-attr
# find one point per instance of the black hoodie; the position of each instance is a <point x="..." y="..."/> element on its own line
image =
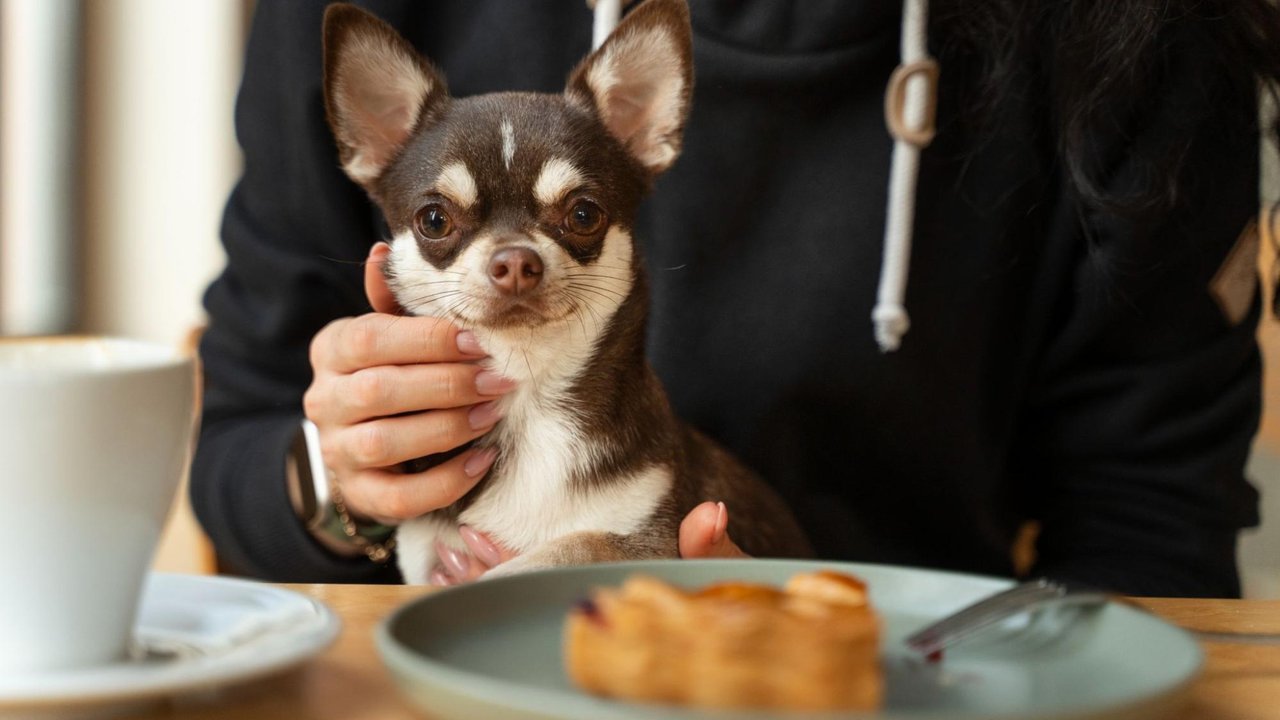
<point x="1065" y="365"/>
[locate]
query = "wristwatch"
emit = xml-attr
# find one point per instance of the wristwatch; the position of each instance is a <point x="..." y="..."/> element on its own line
<point x="318" y="503"/>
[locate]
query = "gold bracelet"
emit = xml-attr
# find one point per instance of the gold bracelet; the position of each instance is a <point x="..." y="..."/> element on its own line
<point x="378" y="552"/>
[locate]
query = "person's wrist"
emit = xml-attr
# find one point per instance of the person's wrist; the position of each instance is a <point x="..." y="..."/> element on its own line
<point x="319" y="506"/>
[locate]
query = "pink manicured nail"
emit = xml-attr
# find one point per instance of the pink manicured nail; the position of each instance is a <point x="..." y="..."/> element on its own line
<point x="468" y="344"/>
<point x="457" y="563"/>
<point x="479" y="462"/>
<point x="479" y="546"/>
<point x="378" y="248"/>
<point x="484" y="415"/>
<point x="439" y="578"/>
<point x="489" y="382"/>
<point x="722" y="524"/>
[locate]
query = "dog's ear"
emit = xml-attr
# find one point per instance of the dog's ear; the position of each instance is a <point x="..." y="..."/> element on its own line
<point x="377" y="89"/>
<point x="639" y="81"/>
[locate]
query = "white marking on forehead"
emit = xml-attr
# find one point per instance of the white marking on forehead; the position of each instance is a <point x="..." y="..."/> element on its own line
<point x="508" y="142"/>
<point x="557" y="178"/>
<point x="456" y="182"/>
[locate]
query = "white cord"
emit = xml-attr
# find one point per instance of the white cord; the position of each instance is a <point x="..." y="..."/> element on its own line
<point x="607" y="14"/>
<point x="889" y="315"/>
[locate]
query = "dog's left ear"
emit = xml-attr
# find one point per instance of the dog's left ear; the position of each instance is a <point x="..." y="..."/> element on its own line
<point x="640" y="80"/>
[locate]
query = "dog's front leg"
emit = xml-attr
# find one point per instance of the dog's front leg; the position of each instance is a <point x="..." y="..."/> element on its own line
<point x="584" y="548"/>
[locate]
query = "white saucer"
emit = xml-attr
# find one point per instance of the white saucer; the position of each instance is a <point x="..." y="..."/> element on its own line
<point x="194" y="634"/>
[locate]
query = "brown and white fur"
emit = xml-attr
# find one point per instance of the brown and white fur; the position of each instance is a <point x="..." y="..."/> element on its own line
<point x="538" y="194"/>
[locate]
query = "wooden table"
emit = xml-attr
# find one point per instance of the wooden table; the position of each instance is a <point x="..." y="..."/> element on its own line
<point x="348" y="682"/>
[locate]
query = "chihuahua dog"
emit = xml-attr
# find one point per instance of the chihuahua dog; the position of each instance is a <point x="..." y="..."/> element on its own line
<point x="511" y="216"/>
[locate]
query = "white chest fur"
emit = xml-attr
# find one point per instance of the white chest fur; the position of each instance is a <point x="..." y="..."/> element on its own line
<point x="529" y="498"/>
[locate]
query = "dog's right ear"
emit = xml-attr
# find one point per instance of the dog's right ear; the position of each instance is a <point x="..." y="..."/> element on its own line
<point x="639" y="81"/>
<point x="377" y="89"/>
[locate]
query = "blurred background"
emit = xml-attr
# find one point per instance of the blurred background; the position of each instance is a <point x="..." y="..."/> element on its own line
<point x="117" y="153"/>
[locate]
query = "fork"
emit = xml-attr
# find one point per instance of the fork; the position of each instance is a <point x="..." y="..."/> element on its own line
<point x="1026" y="597"/>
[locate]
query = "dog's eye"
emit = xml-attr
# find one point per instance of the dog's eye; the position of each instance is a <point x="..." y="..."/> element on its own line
<point x="585" y="218"/>
<point x="432" y="222"/>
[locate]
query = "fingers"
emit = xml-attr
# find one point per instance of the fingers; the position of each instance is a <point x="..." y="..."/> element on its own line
<point x="391" y="498"/>
<point x="484" y="548"/>
<point x="388" y="389"/>
<point x="458" y="566"/>
<point x="350" y="344"/>
<point x="704" y="533"/>
<point x="389" y="441"/>
<point x="395" y="389"/>
<point x="375" y="281"/>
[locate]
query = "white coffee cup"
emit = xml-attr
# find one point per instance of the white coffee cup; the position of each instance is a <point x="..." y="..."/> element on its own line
<point x="94" y="436"/>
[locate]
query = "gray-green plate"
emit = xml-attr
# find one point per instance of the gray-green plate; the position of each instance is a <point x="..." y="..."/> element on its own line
<point x="492" y="649"/>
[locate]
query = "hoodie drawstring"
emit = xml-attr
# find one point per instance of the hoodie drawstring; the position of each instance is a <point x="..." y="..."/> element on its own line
<point x="910" y="109"/>
<point x="607" y="14"/>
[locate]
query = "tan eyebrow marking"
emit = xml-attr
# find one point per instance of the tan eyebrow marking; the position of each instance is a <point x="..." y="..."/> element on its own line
<point x="557" y="177"/>
<point x="456" y="182"/>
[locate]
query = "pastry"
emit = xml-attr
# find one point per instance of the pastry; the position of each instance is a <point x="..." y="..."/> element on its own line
<point x="812" y="645"/>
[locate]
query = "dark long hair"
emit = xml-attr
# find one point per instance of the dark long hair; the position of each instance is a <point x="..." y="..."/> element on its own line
<point x="1099" y="57"/>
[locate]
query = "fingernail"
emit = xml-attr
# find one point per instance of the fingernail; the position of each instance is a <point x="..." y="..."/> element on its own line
<point x="484" y="415"/>
<point x="722" y="524"/>
<point x="457" y="563"/>
<point x="479" y="462"/>
<point x="468" y="344"/>
<point x="439" y="578"/>
<point x="489" y="382"/>
<point x="479" y="546"/>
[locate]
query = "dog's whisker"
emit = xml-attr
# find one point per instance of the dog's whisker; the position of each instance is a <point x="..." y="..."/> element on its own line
<point x="451" y="308"/>
<point x="431" y="271"/>
<point x="427" y="306"/>
<point x="600" y="293"/>
<point x="435" y="297"/>
<point x="507" y="365"/>
<point x="586" y="304"/>
<point x="596" y="285"/>
<point x="577" y="273"/>
<point x="582" y="321"/>
<point x="532" y="377"/>
<point x="565" y="298"/>
<point x="429" y="283"/>
<point x="434" y="294"/>
<point x="599" y="264"/>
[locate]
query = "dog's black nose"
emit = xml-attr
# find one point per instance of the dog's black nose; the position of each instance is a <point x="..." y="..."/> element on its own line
<point x="515" y="270"/>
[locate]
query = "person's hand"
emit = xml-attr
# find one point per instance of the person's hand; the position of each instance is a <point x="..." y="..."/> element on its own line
<point x="703" y="534"/>
<point x="389" y="389"/>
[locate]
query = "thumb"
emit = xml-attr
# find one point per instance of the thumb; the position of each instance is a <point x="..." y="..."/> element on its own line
<point x="375" y="282"/>
<point x="704" y="533"/>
